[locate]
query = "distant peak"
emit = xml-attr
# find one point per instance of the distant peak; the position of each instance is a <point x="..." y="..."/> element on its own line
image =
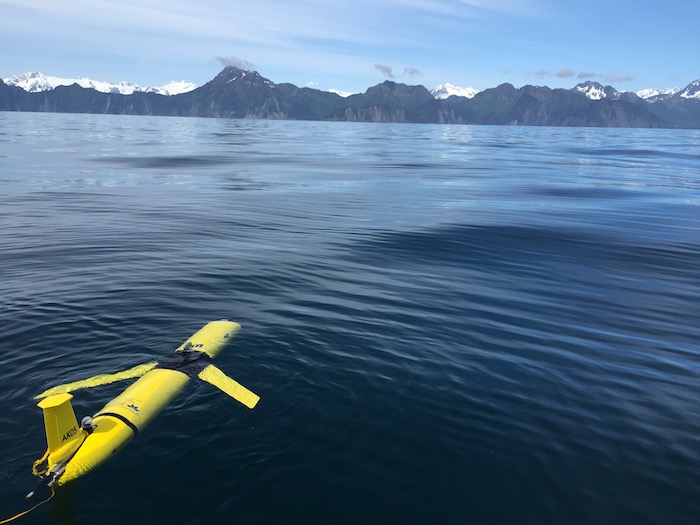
<point x="657" y="94"/>
<point x="26" y="76"/>
<point x="596" y="91"/>
<point x="238" y="74"/>
<point x="235" y="70"/>
<point x="444" y="91"/>
<point x="692" y="90"/>
<point x="32" y="82"/>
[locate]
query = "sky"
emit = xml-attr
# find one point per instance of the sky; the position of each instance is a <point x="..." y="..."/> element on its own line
<point x="351" y="45"/>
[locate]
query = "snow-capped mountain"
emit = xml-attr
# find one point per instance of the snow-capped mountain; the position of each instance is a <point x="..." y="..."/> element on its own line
<point x="596" y="91"/>
<point x="175" y="87"/>
<point x="656" y="94"/>
<point x="692" y="90"/>
<point x="444" y="91"/>
<point x="36" y="82"/>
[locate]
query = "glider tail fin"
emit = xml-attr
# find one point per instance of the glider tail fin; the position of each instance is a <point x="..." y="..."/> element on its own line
<point x="61" y="425"/>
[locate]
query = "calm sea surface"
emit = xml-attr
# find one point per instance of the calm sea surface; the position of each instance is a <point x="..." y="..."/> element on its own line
<point x="446" y="324"/>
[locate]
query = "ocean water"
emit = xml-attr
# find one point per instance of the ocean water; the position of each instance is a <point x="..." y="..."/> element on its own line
<point x="446" y="324"/>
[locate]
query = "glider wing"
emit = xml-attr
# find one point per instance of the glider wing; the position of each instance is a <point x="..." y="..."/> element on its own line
<point x="102" y="379"/>
<point x="237" y="391"/>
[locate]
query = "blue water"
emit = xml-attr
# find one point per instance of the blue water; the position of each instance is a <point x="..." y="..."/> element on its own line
<point x="446" y="324"/>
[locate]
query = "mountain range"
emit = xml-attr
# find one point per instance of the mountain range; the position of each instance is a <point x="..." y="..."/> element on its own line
<point x="242" y="93"/>
<point x="36" y="82"/>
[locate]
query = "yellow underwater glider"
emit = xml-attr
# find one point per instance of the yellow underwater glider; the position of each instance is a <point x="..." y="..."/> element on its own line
<point x="74" y="450"/>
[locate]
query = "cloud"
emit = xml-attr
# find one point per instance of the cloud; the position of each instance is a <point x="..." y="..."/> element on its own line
<point x="565" y="72"/>
<point x="232" y="61"/>
<point x="610" y="77"/>
<point x="387" y="71"/>
<point x="582" y="75"/>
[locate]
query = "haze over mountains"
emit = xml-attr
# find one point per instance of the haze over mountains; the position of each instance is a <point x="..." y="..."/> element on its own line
<point x="243" y="93"/>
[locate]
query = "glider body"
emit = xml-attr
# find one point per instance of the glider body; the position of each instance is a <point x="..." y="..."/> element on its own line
<point x="75" y="449"/>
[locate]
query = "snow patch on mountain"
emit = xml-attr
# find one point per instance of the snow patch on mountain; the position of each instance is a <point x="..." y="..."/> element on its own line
<point x="36" y="82"/>
<point x="344" y="94"/>
<point x="444" y="91"/>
